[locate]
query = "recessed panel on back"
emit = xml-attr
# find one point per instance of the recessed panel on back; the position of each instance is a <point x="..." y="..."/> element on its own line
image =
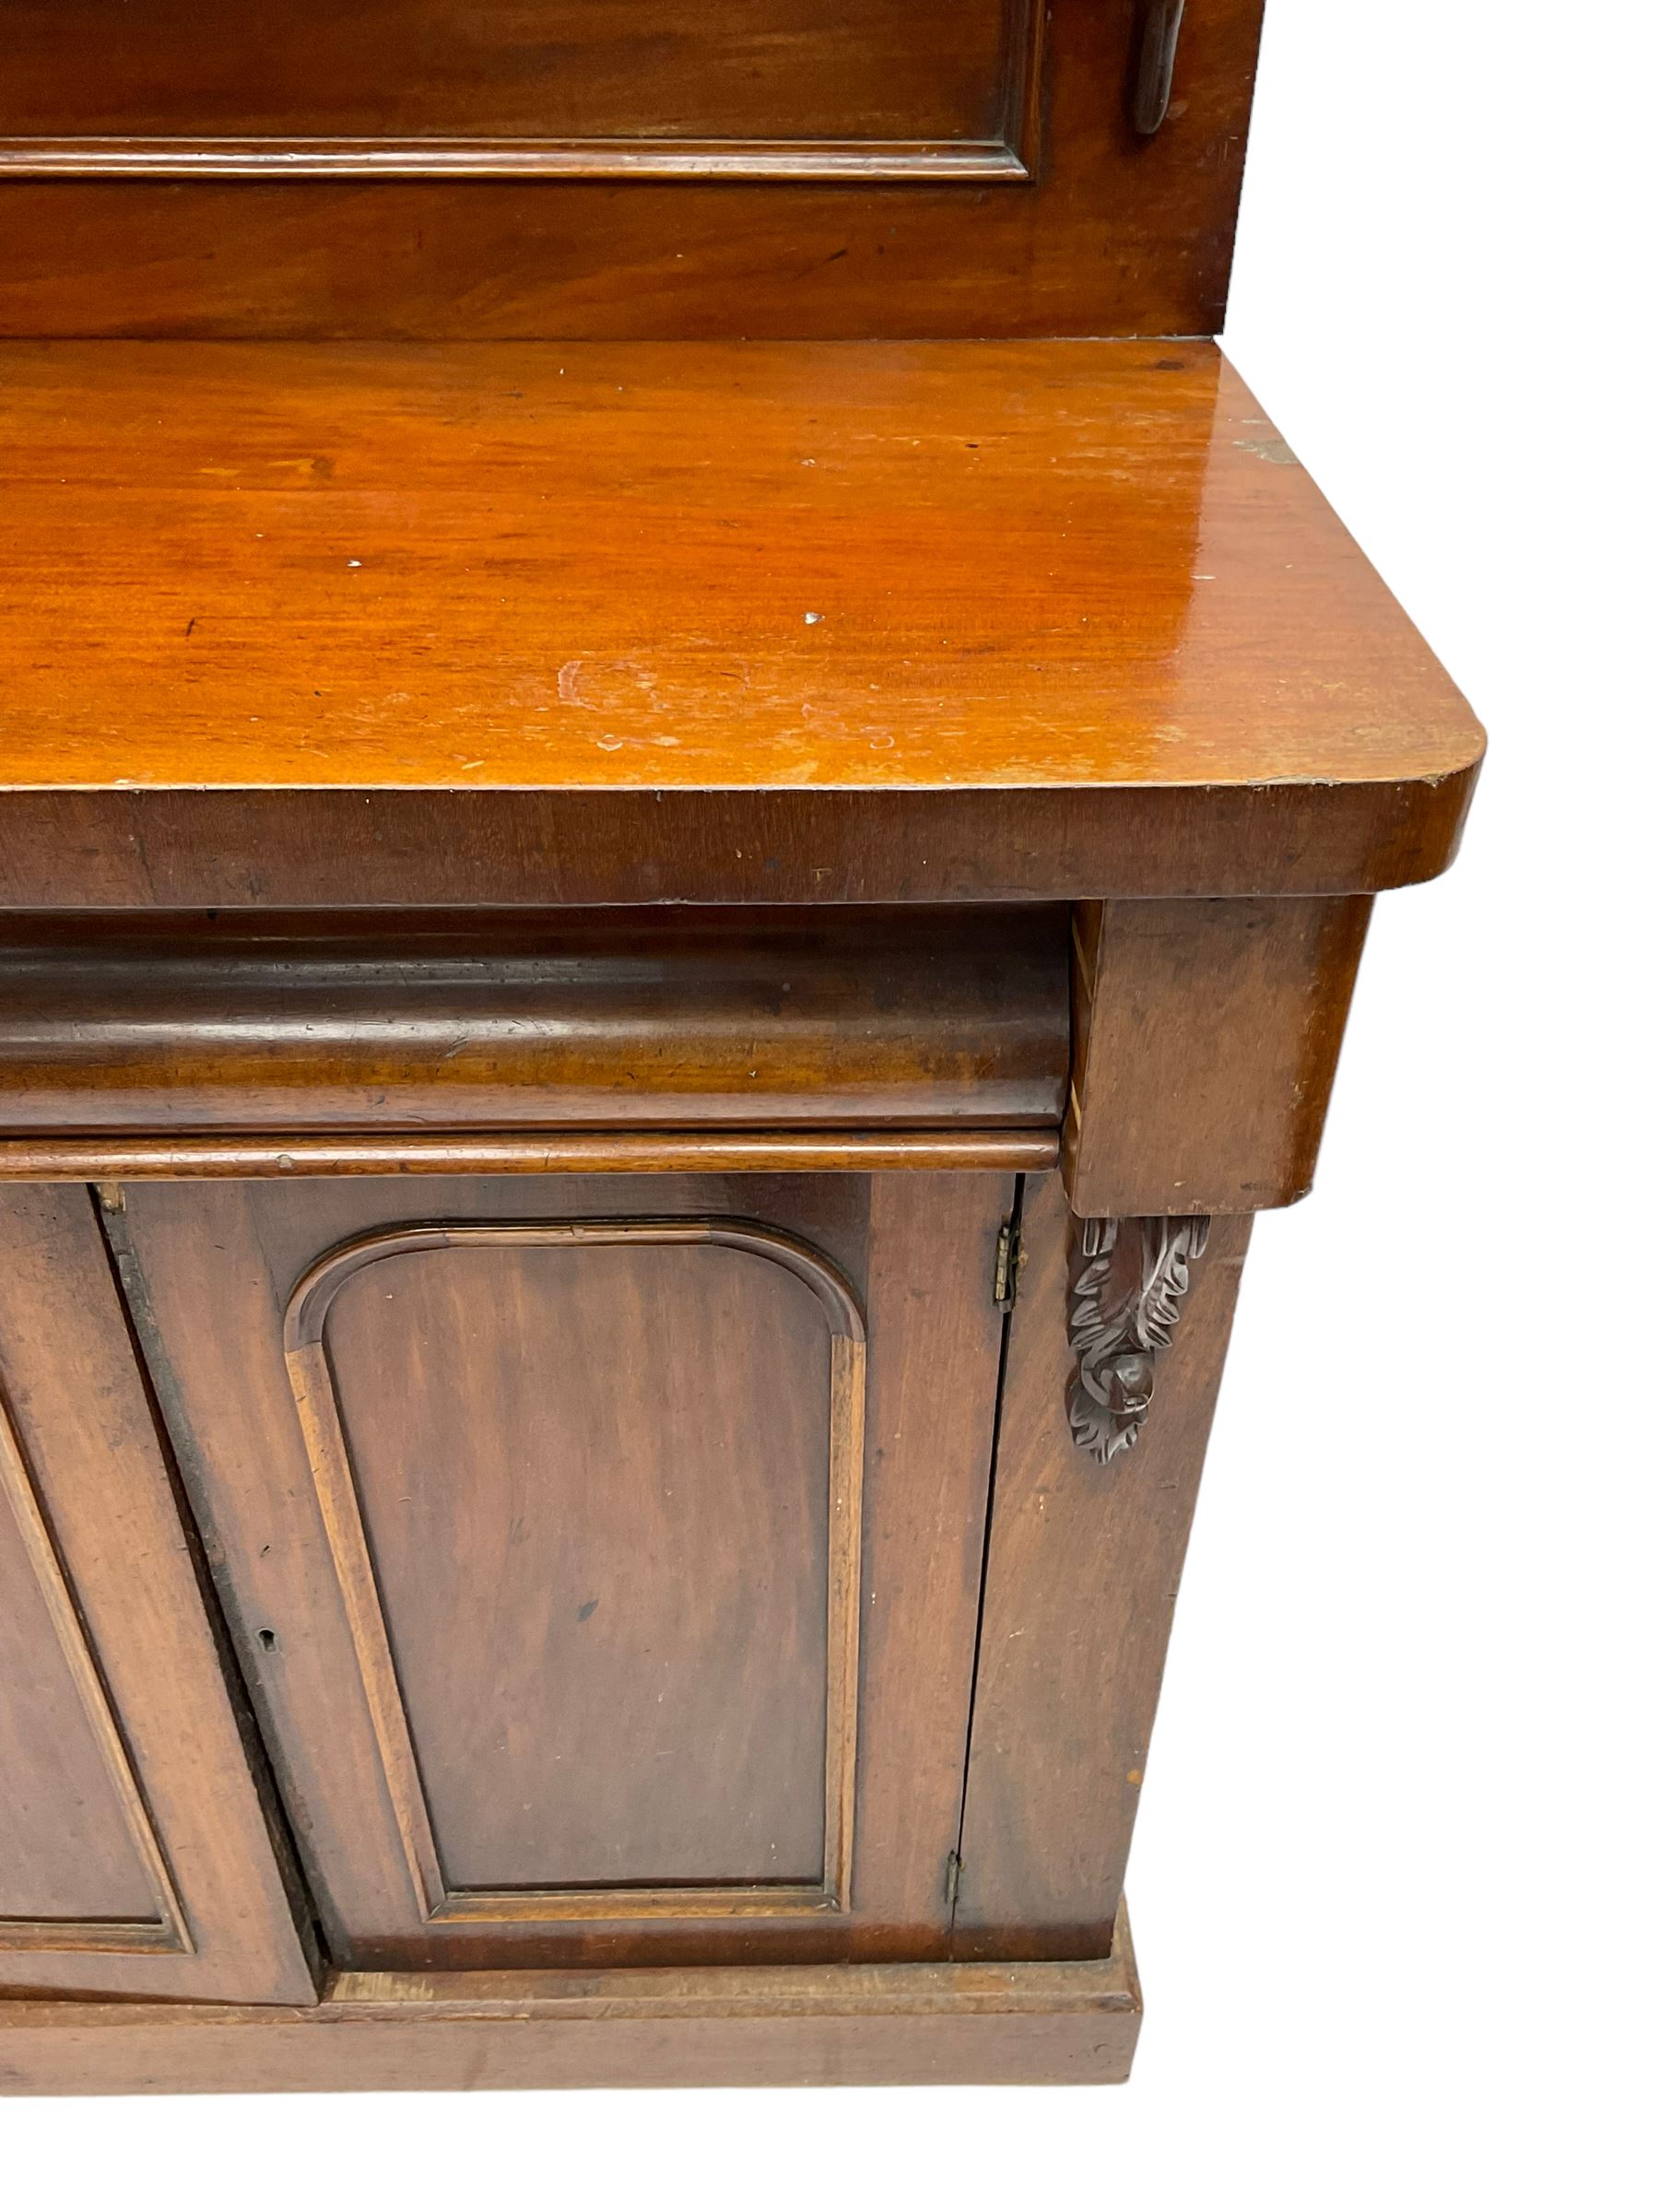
<point x="625" y="168"/>
<point x="410" y="85"/>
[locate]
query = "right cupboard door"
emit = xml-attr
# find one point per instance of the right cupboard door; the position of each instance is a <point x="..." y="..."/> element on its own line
<point x="603" y="1552"/>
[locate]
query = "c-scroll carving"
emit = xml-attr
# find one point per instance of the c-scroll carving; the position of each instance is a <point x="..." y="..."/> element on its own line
<point x="1129" y="1280"/>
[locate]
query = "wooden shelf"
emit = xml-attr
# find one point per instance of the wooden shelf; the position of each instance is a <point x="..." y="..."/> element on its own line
<point x="714" y="620"/>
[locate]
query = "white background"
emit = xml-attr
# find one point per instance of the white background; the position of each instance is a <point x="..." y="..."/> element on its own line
<point x="1393" y="1884"/>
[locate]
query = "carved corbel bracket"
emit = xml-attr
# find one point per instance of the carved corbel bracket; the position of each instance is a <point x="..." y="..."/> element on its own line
<point x="1128" y="1280"/>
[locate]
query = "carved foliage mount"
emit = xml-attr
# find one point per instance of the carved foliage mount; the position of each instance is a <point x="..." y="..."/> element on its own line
<point x="1128" y="1281"/>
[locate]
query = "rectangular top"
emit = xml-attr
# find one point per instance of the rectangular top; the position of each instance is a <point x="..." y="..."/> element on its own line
<point x="1046" y="618"/>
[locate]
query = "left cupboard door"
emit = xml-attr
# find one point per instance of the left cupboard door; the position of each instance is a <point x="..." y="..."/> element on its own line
<point x="135" y="1858"/>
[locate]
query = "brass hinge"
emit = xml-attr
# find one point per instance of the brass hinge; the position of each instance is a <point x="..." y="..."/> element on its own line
<point x="953" y="1880"/>
<point x="1010" y="1259"/>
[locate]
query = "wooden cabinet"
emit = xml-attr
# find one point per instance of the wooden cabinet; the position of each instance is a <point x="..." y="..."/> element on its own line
<point x="649" y="975"/>
<point x="607" y="1571"/>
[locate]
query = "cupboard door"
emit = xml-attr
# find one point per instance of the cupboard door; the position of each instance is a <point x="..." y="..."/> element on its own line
<point x="134" y="1858"/>
<point x="604" y="1550"/>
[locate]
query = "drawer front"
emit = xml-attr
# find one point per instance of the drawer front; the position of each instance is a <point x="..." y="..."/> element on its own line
<point x="930" y="1018"/>
<point x="603" y="1552"/>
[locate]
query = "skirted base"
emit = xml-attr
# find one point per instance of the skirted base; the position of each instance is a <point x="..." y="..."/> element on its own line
<point x="637" y="2028"/>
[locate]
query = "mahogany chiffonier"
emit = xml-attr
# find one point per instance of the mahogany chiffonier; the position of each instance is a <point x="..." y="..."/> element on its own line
<point x="688" y="801"/>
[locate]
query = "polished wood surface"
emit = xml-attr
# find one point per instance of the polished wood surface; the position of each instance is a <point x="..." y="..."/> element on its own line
<point x="1080" y="1581"/>
<point x="504" y="1545"/>
<point x="646" y="1757"/>
<point x="137" y="1857"/>
<point x="1205" y="1036"/>
<point x="864" y="1016"/>
<point x="583" y="1152"/>
<point x="727" y="2026"/>
<point x="297" y="626"/>
<point x="648" y="972"/>
<point x="978" y="170"/>
<point x="66" y="1770"/>
<point x="538" y="88"/>
<point x="935" y="1336"/>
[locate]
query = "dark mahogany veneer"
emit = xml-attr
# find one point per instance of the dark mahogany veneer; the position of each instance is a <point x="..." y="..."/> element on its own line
<point x="649" y="972"/>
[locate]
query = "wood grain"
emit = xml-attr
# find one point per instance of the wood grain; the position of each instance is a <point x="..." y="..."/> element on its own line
<point x="867" y="1015"/>
<point x="936" y="1342"/>
<point x="1114" y="234"/>
<point x="302" y="626"/>
<point x="210" y="1269"/>
<point x="1081" y="1575"/>
<point x="530" y="87"/>
<point x="1205" y="1037"/>
<point x="585" y="1152"/>
<point x="638" y="2028"/>
<point x="637" y="777"/>
<point x="701" y="1755"/>
<point x="100" y="1520"/>
<point x="81" y="1869"/>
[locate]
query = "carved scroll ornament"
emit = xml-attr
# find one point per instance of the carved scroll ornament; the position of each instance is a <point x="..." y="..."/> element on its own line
<point x="1126" y="1301"/>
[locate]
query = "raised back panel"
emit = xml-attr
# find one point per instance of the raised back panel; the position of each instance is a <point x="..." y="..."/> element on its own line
<point x="415" y="87"/>
<point x="618" y="168"/>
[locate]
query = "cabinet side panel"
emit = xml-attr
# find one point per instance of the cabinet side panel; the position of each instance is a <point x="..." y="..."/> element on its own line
<point x="1082" y="1570"/>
